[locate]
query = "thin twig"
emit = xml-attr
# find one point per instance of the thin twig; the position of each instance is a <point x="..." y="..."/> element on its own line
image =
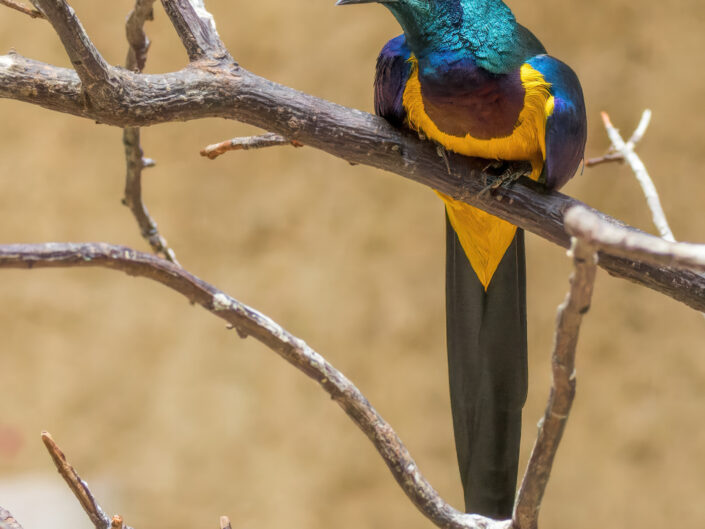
<point x="136" y="37"/>
<point x="252" y="323"/>
<point x="642" y="175"/>
<point x="134" y="157"/>
<point x="613" y="156"/>
<point x="570" y="315"/>
<point x="76" y="484"/>
<point x="135" y="163"/>
<point x="7" y="521"/>
<point x="244" y="143"/>
<point x="117" y="522"/>
<point x="34" y="13"/>
<point x="640" y="130"/>
<point x="225" y="523"/>
<point x="622" y="241"/>
<point x="606" y="158"/>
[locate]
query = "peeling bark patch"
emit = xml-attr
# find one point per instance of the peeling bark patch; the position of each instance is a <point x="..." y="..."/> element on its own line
<point x="6" y="61"/>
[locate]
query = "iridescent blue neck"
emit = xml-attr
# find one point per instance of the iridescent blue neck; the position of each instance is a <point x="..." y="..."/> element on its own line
<point x="484" y="30"/>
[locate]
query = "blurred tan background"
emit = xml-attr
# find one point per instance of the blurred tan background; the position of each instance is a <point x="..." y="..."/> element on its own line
<point x="175" y="421"/>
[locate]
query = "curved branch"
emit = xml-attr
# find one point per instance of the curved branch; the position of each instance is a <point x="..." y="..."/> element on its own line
<point x="249" y="322"/>
<point x="232" y="92"/>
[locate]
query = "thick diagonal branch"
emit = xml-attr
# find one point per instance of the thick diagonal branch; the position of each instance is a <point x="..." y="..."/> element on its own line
<point x="355" y="136"/>
<point x="249" y="322"/>
<point x="570" y="315"/>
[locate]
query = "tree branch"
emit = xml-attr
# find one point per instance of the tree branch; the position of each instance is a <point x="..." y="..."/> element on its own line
<point x="627" y="153"/>
<point x="136" y="37"/>
<point x="355" y="136"/>
<point x="225" y="523"/>
<point x="570" y="315"/>
<point x="134" y="156"/>
<point x="76" y="484"/>
<point x="249" y="322"/>
<point x="196" y="28"/>
<point x="34" y="13"/>
<point x="7" y="521"/>
<point x="618" y="240"/>
<point x="270" y="139"/>
<point x="86" y="59"/>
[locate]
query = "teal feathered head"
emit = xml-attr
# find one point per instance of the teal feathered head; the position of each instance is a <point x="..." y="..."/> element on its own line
<point x="483" y="29"/>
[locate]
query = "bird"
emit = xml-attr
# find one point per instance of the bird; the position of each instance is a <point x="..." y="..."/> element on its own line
<point x="466" y="75"/>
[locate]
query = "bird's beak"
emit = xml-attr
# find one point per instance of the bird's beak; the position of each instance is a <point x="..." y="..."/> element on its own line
<point x="346" y="2"/>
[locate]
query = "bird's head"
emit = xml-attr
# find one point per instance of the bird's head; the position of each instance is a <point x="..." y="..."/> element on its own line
<point x="431" y="25"/>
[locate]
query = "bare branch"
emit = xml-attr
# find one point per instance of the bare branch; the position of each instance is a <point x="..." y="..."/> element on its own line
<point x="249" y="322"/>
<point x="642" y="175"/>
<point x="196" y="28"/>
<point x="86" y="59"/>
<point x="606" y="158"/>
<point x="34" y="13"/>
<point x="355" y="136"/>
<point x="133" y="195"/>
<point x="136" y="37"/>
<point x="640" y="130"/>
<point x="7" y="521"/>
<point x="613" y="156"/>
<point x="76" y="484"/>
<point x="570" y="315"/>
<point x="134" y="157"/>
<point x="621" y="241"/>
<point x="270" y="139"/>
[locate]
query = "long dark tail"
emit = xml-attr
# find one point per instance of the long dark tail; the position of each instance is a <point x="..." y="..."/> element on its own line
<point x="487" y="366"/>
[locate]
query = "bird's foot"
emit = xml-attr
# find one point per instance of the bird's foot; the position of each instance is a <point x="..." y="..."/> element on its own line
<point x="505" y="179"/>
<point x="441" y="151"/>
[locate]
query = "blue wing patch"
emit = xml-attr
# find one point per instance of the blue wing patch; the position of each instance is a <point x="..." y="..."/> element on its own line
<point x="566" y="127"/>
<point x="392" y="72"/>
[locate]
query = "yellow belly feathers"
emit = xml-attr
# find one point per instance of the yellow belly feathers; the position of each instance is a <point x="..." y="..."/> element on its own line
<point x="484" y="237"/>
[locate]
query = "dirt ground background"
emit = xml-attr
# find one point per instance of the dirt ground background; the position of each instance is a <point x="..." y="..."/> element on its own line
<point x="175" y="421"/>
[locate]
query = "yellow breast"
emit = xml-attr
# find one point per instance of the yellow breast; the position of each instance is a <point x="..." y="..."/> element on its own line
<point x="484" y="237"/>
<point x="527" y="140"/>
